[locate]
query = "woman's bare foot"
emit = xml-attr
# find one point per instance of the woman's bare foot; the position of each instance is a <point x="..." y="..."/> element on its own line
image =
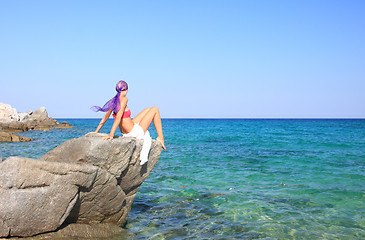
<point x="162" y="142"/>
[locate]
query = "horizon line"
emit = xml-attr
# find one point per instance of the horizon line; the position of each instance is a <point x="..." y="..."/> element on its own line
<point x="309" y="118"/>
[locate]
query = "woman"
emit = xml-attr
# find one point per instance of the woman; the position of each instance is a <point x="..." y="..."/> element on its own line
<point x="136" y="127"/>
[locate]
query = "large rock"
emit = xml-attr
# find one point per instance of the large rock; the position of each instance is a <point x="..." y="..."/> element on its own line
<point x="85" y="180"/>
<point x="37" y="196"/>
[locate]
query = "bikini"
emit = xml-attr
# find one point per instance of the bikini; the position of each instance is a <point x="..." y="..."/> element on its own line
<point x="126" y="114"/>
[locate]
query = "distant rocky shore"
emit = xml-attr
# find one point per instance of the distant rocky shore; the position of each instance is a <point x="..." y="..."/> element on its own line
<point x="12" y="121"/>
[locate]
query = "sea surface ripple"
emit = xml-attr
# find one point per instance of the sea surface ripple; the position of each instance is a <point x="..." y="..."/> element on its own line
<point x="242" y="178"/>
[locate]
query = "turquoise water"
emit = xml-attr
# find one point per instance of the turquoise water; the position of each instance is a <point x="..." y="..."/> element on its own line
<point x="242" y="179"/>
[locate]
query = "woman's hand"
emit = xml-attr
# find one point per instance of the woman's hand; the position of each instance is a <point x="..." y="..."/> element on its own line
<point x="108" y="137"/>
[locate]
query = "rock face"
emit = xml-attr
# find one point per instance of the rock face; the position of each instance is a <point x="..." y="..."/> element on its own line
<point x="86" y="231"/>
<point x="12" y="121"/>
<point x="84" y="180"/>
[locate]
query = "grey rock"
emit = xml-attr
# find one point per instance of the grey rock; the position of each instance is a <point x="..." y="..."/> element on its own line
<point x="40" y="114"/>
<point x="84" y="180"/>
<point x="37" y="196"/>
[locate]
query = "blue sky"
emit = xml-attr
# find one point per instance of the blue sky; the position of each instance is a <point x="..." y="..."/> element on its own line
<point x="191" y="58"/>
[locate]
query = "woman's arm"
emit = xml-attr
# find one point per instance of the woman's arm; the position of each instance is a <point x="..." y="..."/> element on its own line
<point x="118" y="118"/>
<point x="103" y="120"/>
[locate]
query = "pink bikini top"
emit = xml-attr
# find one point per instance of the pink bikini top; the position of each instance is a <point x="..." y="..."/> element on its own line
<point x="126" y="114"/>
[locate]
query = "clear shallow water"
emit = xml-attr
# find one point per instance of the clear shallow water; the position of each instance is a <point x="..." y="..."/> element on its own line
<point x="242" y="179"/>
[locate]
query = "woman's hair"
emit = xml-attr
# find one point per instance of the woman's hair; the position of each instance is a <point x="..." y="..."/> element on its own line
<point x="114" y="103"/>
<point x="121" y="86"/>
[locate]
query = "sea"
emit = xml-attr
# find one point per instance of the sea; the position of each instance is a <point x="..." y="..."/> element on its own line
<point x="241" y="178"/>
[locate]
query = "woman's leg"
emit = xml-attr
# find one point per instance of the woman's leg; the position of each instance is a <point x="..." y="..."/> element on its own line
<point x="153" y="114"/>
<point x="140" y="115"/>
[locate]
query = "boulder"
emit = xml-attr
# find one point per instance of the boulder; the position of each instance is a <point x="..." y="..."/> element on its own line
<point x="85" y="180"/>
<point x="37" y="196"/>
<point x="9" y="137"/>
<point x="5" y="137"/>
<point x="63" y="124"/>
<point x="40" y="114"/>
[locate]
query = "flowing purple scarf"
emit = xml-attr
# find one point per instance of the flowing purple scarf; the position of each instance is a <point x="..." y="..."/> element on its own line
<point x="114" y="103"/>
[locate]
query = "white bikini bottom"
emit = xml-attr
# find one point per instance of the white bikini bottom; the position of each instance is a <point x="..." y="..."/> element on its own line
<point x="138" y="132"/>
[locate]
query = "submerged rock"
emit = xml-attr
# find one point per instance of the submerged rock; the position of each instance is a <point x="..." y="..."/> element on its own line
<point x="64" y="124"/>
<point x="84" y="180"/>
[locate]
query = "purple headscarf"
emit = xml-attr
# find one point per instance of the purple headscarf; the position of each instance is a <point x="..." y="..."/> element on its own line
<point x="114" y="103"/>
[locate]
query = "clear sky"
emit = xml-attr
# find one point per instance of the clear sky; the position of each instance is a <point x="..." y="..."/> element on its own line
<point x="191" y="58"/>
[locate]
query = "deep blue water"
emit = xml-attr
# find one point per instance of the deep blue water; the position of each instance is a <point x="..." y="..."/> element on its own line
<point x="242" y="178"/>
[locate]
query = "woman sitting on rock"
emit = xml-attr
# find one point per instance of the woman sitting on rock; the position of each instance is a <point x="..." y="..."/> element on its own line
<point x="136" y="127"/>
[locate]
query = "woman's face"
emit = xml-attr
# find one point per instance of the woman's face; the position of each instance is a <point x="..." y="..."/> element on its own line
<point x="124" y="93"/>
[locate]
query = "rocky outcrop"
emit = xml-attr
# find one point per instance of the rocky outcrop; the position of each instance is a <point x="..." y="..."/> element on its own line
<point x="12" y="121"/>
<point x="7" y="114"/>
<point x="85" y="181"/>
<point x="8" y="137"/>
